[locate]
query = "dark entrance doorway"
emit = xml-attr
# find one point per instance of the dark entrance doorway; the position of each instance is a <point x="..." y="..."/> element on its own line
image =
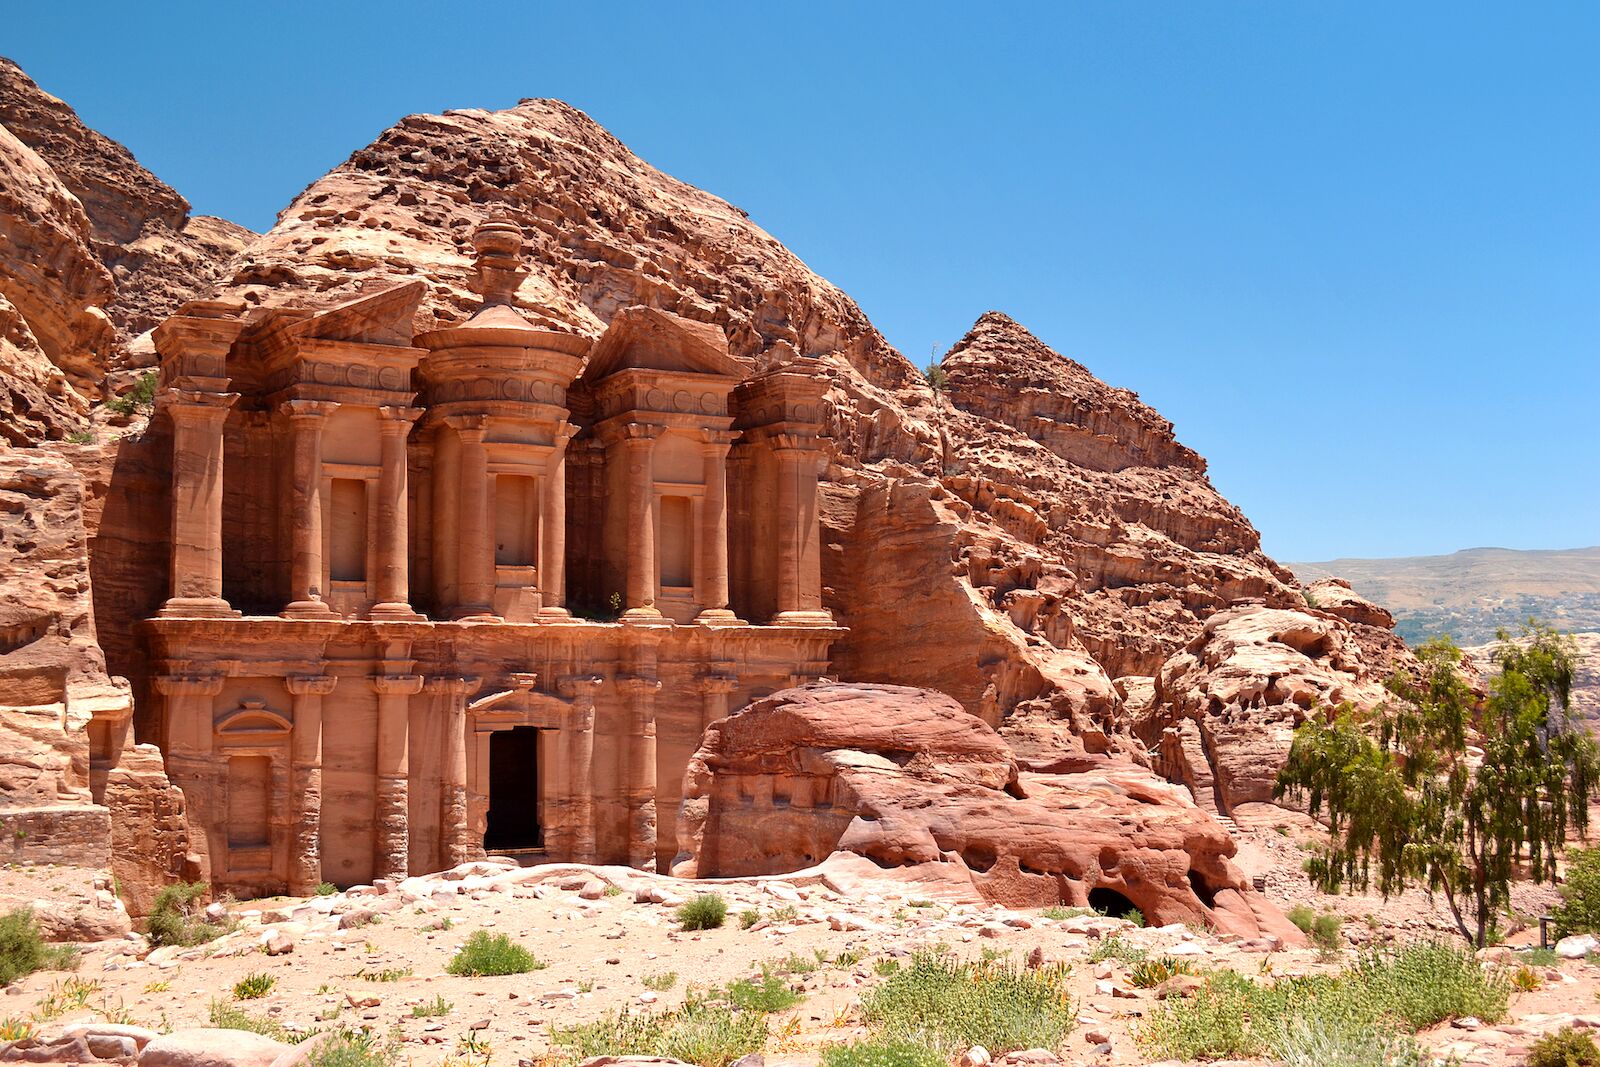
<point x="1110" y="902"/>
<point x="513" y="791"/>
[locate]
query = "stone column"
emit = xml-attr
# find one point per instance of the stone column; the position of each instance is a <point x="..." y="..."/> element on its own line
<point x="713" y="574"/>
<point x="197" y="421"/>
<point x="446" y="518"/>
<point x="638" y="452"/>
<point x="639" y="785"/>
<point x="455" y="839"/>
<point x="553" y="530"/>
<point x="580" y="762"/>
<point x="391" y="857"/>
<point x="305" y="859"/>
<point x="474" y="529"/>
<point x="189" y="761"/>
<point x="799" y="538"/>
<point x="306" y="421"/>
<point x="394" y="564"/>
<point x="714" y="690"/>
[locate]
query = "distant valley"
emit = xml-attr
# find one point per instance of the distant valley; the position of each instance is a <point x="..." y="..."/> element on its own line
<point x="1472" y="593"/>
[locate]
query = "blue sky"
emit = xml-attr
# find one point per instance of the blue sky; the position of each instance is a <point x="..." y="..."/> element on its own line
<point x="1351" y="250"/>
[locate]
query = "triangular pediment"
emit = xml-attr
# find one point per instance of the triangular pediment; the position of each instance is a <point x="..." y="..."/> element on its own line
<point x="641" y="338"/>
<point x="381" y="318"/>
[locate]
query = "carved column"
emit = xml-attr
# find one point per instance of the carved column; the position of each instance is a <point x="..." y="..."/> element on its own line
<point x="580" y="760"/>
<point x="394" y="586"/>
<point x="305" y="860"/>
<point x="553" y="531"/>
<point x="474" y="529"/>
<point x="197" y="421"/>
<point x="714" y="690"/>
<point x="306" y="421"/>
<point x="455" y="840"/>
<point x="391" y="857"/>
<point x="446" y="519"/>
<point x="713" y="574"/>
<point x="639" y="784"/>
<point x="799" y="538"/>
<point x="637" y="449"/>
<point x="189" y="761"/>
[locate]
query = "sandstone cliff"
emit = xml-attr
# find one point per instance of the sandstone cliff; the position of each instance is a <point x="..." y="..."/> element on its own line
<point x="148" y="254"/>
<point x="1031" y="541"/>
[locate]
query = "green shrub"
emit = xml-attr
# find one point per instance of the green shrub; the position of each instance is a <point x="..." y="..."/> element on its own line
<point x="353" y="1048"/>
<point x="484" y="954"/>
<point x="1384" y="994"/>
<point x="1579" y="910"/>
<point x="766" y="996"/>
<point x="1149" y="973"/>
<point x="1564" y="1048"/>
<point x="1320" y="1041"/>
<point x="748" y="918"/>
<point x="253" y="986"/>
<point x="325" y="889"/>
<point x="232" y="1017"/>
<point x="1116" y="948"/>
<point x="430" y="1009"/>
<point x="1539" y="956"/>
<point x="700" y="1032"/>
<point x="23" y="949"/>
<point x="882" y="1053"/>
<point x="142" y="397"/>
<point x="1061" y="911"/>
<point x="660" y="982"/>
<point x="172" y="920"/>
<point x="1322" y="929"/>
<point x="705" y="912"/>
<point x="947" y="1006"/>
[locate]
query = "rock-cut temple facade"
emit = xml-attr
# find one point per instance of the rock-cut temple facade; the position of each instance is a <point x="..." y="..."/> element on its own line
<point x="474" y="591"/>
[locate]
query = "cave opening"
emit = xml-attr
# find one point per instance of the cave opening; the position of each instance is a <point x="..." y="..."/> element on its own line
<point x="1110" y="902"/>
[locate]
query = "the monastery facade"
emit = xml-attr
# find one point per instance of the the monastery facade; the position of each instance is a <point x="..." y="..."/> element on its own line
<point x="475" y="590"/>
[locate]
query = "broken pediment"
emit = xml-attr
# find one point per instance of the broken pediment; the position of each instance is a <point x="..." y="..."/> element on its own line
<point x="645" y="339"/>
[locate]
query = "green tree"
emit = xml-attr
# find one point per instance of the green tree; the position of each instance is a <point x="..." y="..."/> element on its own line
<point x="1409" y="802"/>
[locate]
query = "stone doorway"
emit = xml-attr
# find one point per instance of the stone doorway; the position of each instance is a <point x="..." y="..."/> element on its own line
<point x="513" y="823"/>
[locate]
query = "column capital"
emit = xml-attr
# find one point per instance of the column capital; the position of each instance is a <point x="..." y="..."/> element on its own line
<point x="714" y="441"/>
<point x="452" y="685"/>
<point x="195" y="408"/>
<point x="308" y="409"/>
<point x="470" y="427"/>
<point x="317" y="685"/>
<point x="636" y="686"/>
<point x="580" y="686"/>
<point x="801" y="442"/>
<point x="398" y="419"/>
<point x="176" y="685"/>
<point x="718" y="683"/>
<point x="397" y="684"/>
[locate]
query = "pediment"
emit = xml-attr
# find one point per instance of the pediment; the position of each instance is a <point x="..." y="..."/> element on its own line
<point x="646" y="339"/>
<point x="381" y="318"/>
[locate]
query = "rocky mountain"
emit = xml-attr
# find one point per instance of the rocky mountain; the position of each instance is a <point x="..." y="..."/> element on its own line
<point x="1475" y="592"/>
<point x="98" y="249"/>
<point x="1027" y="539"/>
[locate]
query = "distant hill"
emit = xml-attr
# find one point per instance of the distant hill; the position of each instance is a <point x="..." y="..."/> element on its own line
<point x="1472" y="593"/>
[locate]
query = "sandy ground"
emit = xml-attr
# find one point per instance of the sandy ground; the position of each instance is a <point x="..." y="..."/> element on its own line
<point x="614" y="951"/>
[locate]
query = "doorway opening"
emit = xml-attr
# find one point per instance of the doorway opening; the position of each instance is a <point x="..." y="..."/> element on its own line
<point x="513" y="824"/>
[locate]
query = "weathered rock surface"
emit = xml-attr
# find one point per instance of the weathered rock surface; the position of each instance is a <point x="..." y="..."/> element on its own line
<point x="71" y="784"/>
<point x="48" y="269"/>
<point x="906" y="776"/>
<point x="139" y="227"/>
<point x="1225" y="708"/>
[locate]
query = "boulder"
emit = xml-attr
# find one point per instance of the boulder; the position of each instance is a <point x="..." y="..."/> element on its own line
<point x="212" y="1047"/>
<point x="905" y="776"/>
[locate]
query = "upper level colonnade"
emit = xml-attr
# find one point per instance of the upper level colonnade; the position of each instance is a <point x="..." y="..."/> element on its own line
<point x="329" y="465"/>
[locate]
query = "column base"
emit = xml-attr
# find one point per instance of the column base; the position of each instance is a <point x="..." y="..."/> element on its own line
<point x="309" y="609"/>
<point x="718" y="617"/>
<point x="197" y="607"/>
<point x="645" y="614"/>
<point x="556" y="614"/>
<point x="803" y="618"/>
<point x="395" y="611"/>
<point x="475" y="613"/>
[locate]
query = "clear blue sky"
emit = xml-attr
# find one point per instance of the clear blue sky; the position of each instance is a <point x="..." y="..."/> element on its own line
<point x="1351" y="250"/>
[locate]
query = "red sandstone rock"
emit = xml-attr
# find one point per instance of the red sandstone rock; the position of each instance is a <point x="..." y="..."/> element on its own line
<point x="905" y="776"/>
